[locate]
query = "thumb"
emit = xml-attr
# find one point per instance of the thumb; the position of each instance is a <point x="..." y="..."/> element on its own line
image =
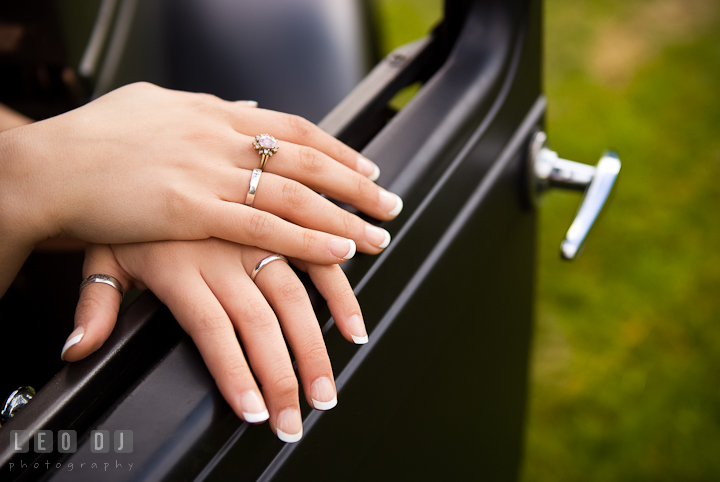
<point x="98" y="306"/>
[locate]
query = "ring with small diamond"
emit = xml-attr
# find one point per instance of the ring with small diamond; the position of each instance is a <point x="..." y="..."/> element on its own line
<point x="266" y="145"/>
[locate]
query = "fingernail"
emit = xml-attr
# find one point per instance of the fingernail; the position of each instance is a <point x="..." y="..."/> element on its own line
<point x="254" y="410"/>
<point x="342" y="248"/>
<point x="357" y="330"/>
<point x="249" y="103"/>
<point x="377" y="236"/>
<point x="368" y="168"/>
<point x="391" y="202"/>
<point x="73" y="340"/>
<point x="323" y="394"/>
<point x="289" y="426"/>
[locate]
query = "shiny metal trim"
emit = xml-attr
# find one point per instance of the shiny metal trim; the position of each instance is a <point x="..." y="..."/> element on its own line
<point x="254" y="181"/>
<point x="266" y="261"/>
<point x="549" y="170"/>
<point x="98" y="38"/>
<point x="105" y="279"/>
<point x="597" y="194"/>
<point x="15" y="402"/>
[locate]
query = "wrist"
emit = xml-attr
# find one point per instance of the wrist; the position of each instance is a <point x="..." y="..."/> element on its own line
<point x="24" y="209"/>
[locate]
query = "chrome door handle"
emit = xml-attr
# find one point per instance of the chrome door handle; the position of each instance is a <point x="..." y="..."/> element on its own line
<point x="549" y="170"/>
<point x="15" y="402"/>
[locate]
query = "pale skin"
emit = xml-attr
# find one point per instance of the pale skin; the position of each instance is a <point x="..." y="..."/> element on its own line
<point x="206" y="285"/>
<point x="145" y="164"/>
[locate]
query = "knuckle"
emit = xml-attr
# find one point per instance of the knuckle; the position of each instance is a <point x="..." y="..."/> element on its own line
<point x="163" y="254"/>
<point x="294" y="196"/>
<point x="365" y="188"/>
<point x="309" y="239"/>
<point x="176" y="200"/>
<point x="208" y="98"/>
<point x="208" y="320"/>
<point x="142" y="85"/>
<point x="256" y="313"/>
<point x="337" y="150"/>
<point x="208" y="141"/>
<point x="260" y="225"/>
<point x="309" y="160"/>
<point x="186" y="209"/>
<point x="343" y="291"/>
<point x="290" y="290"/>
<point x="209" y="104"/>
<point x="299" y="126"/>
<point x="349" y="222"/>
<point x="234" y="370"/>
<point x="314" y="352"/>
<point x="285" y="383"/>
<point x="91" y="302"/>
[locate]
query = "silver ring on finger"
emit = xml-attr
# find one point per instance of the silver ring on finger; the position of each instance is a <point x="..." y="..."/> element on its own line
<point x="103" y="278"/>
<point x="266" y="261"/>
<point x="254" y="181"/>
<point x="266" y="145"/>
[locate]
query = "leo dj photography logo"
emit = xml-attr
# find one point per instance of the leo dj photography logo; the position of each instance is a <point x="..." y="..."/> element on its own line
<point x="65" y="442"/>
<point x="44" y="441"/>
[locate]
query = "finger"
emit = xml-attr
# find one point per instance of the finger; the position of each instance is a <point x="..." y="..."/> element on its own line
<point x="295" y="129"/>
<point x="287" y="295"/>
<point x="321" y="173"/>
<point x="262" y="338"/>
<point x="254" y="227"/>
<point x="98" y="306"/>
<point x="291" y="200"/>
<point x="334" y="286"/>
<point x="201" y="316"/>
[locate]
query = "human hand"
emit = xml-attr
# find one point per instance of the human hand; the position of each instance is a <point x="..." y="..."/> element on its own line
<point x="206" y="285"/>
<point x="144" y="163"/>
<point x="10" y="119"/>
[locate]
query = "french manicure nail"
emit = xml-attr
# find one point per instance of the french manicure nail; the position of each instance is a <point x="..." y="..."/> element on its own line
<point x="289" y="426"/>
<point x="323" y="394"/>
<point x="249" y="103"/>
<point x="368" y="168"/>
<point x="377" y="236"/>
<point x="254" y="410"/>
<point x="357" y="330"/>
<point x="73" y="340"/>
<point x="375" y="175"/>
<point x="342" y="248"/>
<point x="391" y="202"/>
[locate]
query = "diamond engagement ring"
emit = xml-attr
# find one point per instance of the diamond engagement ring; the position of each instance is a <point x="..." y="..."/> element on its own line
<point x="266" y="145"/>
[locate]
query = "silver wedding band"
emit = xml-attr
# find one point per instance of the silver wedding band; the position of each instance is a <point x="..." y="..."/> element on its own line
<point x="254" y="181"/>
<point x="102" y="278"/>
<point x="266" y="261"/>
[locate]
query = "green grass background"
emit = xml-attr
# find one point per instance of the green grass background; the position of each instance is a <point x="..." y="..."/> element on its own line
<point x="626" y="358"/>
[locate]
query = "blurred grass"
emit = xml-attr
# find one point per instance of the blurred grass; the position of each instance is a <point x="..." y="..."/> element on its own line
<point x="402" y="21"/>
<point x="627" y="347"/>
<point x="626" y="357"/>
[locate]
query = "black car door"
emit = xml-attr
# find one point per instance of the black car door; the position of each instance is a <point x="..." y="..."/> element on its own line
<point x="439" y="392"/>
